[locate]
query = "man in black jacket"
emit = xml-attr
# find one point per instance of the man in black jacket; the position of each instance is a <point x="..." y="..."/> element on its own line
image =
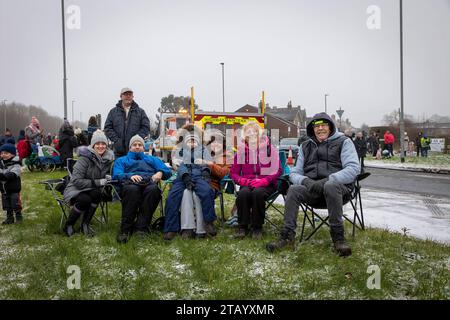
<point x="124" y="121"/>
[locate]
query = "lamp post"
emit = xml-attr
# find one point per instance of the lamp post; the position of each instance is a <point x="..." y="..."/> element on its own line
<point x="340" y="112"/>
<point x="326" y="95"/>
<point x="4" y="114"/>
<point x="402" y="122"/>
<point x="223" y="86"/>
<point x="73" y="118"/>
<point x="64" y="57"/>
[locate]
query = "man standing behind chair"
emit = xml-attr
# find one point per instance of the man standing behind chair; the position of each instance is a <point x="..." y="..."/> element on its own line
<point x="124" y="121"/>
<point x="327" y="165"/>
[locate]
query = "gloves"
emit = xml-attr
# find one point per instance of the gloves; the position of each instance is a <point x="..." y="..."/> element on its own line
<point x="308" y="183"/>
<point x="188" y="181"/>
<point x="100" y="182"/>
<point x="206" y="175"/>
<point x="315" y="187"/>
<point x="259" y="183"/>
<point x="243" y="182"/>
<point x="318" y="186"/>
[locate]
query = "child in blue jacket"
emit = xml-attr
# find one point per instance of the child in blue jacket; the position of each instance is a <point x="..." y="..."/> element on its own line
<point x="190" y="176"/>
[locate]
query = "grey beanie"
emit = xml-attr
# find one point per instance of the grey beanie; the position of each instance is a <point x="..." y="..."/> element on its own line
<point x="98" y="136"/>
<point x="136" y="138"/>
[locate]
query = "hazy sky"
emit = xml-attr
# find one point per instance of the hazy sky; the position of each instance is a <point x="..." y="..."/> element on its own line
<point x="293" y="49"/>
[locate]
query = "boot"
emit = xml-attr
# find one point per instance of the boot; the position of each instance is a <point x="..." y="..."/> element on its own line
<point x="168" y="236"/>
<point x="187" y="234"/>
<point x="241" y="232"/>
<point x="71" y="220"/>
<point x="19" y="217"/>
<point x="85" y="224"/>
<point x="341" y="247"/>
<point x="257" y="234"/>
<point x="123" y="238"/>
<point x="9" y="218"/>
<point x="287" y="238"/>
<point x="210" y="229"/>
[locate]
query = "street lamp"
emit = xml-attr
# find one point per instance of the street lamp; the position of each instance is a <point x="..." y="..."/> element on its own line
<point x="4" y="113"/>
<point x="402" y="122"/>
<point x="64" y="57"/>
<point x="73" y="118"/>
<point x="223" y="86"/>
<point x="340" y="112"/>
<point x="326" y="95"/>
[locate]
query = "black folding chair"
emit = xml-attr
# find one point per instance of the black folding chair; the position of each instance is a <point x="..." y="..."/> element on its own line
<point x="53" y="185"/>
<point x="316" y="221"/>
<point x="109" y="192"/>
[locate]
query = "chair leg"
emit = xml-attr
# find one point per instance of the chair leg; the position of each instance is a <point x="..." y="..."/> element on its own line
<point x="222" y="209"/>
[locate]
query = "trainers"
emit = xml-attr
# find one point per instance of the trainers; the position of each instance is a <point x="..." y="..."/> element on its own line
<point x="257" y="234"/>
<point x="187" y="234"/>
<point x="200" y="235"/>
<point x="241" y="232"/>
<point x="169" y="236"/>
<point x="123" y="238"/>
<point x="232" y="220"/>
<point x="210" y="229"/>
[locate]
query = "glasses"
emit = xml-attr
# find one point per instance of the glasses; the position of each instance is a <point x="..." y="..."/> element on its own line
<point x="325" y="125"/>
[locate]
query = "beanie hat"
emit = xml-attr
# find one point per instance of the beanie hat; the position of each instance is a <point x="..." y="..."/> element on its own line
<point x="136" y="138"/>
<point x="98" y="136"/>
<point x="8" y="147"/>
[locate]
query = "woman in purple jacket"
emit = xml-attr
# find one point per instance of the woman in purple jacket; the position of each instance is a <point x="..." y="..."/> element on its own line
<point x="255" y="169"/>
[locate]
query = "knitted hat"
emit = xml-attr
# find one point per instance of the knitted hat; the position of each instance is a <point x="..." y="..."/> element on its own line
<point x="136" y="138"/>
<point x="98" y="136"/>
<point x="8" y="147"/>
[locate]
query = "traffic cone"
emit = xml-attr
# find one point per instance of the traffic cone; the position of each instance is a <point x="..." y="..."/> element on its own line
<point x="290" y="159"/>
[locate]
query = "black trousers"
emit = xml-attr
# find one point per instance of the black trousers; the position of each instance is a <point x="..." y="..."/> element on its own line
<point x="11" y="202"/>
<point x="251" y="205"/>
<point x="86" y="199"/>
<point x="138" y="205"/>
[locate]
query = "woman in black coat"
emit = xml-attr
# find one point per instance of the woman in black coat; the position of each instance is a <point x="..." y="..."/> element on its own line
<point x="67" y="142"/>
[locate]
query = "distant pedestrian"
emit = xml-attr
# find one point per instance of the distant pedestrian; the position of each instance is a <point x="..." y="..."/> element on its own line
<point x="419" y="144"/>
<point x="425" y="145"/>
<point x="7" y="138"/>
<point x="375" y="144"/>
<point x="361" y="148"/>
<point x="389" y="142"/>
<point x="34" y="132"/>
<point x="67" y="142"/>
<point x="92" y="127"/>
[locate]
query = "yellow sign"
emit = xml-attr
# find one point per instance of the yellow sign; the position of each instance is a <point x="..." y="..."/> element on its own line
<point x="227" y="120"/>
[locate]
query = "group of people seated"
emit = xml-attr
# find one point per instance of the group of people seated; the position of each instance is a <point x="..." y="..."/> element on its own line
<point x="325" y="170"/>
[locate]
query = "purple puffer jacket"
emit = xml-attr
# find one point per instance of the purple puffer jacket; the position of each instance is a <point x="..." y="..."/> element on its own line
<point x="256" y="164"/>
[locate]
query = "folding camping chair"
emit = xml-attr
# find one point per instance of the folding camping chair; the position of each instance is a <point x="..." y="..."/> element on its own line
<point x="274" y="196"/>
<point x="270" y="201"/>
<point x="311" y="216"/>
<point x="53" y="185"/>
